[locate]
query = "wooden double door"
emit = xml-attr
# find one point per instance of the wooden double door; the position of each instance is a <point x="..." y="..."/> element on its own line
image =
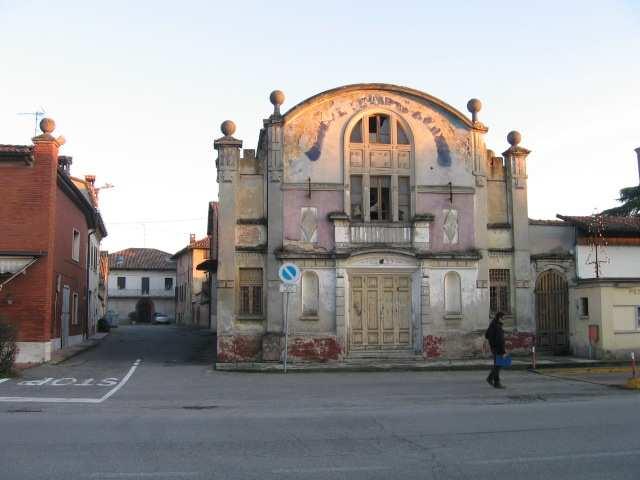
<point x="380" y="311"/>
<point x="552" y="312"/>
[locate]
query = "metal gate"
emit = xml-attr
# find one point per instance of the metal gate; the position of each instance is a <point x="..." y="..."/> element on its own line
<point x="552" y="312"/>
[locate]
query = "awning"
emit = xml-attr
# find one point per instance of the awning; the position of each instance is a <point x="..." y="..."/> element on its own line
<point x="13" y="265"/>
<point x="209" y="265"/>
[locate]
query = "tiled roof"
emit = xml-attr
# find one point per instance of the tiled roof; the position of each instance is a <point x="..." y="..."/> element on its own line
<point x="535" y="221"/>
<point x="610" y="224"/>
<point x="202" y="244"/>
<point x="18" y="149"/>
<point x="141" y="259"/>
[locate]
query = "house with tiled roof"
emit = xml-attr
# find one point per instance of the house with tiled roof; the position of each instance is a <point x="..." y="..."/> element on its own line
<point x="191" y="289"/>
<point x="48" y="235"/>
<point x="141" y="283"/>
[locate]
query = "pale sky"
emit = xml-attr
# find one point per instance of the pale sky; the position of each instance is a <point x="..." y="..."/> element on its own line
<point x="139" y="89"/>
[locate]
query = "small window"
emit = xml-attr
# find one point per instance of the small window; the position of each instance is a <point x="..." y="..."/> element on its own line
<point x="499" y="291"/>
<point x="356" y="133"/>
<point x="403" y="139"/>
<point x="168" y="283"/>
<point x="584" y="306"/>
<point x="310" y="294"/>
<point x="145" y="285"/>
<point x="75" y="246"/>
<point x="122" y="283"/>
<point x="356" y="197"/>
<point x="638" y="317"/>
<point x="250" y="291"/>
<point x="404" y="203"/>
<point x="379" y="129"/>
<point x="452" y="293"/>
<point x="379" y="198"/>
<point x="74" y="310"/>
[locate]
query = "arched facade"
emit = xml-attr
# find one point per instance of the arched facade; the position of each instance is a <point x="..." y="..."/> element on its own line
<point x="385" y="193"/>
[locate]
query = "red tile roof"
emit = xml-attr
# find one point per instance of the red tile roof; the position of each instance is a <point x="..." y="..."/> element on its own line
<point x="202" y="244"/>
<point x="141" y="259"/>
<point x="18" y="149"/>
<point x="610" y="224"/>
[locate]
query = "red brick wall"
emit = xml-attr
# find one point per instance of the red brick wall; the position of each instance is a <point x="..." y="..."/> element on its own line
<point x="73" y="273"/>
<point x="27" y="216"/>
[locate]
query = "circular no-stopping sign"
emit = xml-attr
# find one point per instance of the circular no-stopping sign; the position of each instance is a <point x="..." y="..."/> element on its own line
<point x="289" y="273"/>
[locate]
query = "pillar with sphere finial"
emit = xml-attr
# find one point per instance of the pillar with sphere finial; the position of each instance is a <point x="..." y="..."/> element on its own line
<point x="45" y="145"/>
<point x="227" y="165"/>
<point x="518" y="216"/>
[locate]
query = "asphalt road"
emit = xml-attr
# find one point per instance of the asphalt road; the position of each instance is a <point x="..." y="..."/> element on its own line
<point x="171" y="416"/>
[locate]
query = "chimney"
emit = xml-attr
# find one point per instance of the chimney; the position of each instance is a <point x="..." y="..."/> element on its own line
<point x="638" y="154"/>
<point x="64" y="164"/>
<point x="192" y="238"/>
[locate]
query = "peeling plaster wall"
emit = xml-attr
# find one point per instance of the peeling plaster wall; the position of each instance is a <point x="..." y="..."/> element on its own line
<point x="314" y="138"/>
<point x="326" y="321"/>
<point x="324" y="201"/>
<point x="551" y="238"/>
<point x="436" y="204"/>
<point x="250" y="197"/>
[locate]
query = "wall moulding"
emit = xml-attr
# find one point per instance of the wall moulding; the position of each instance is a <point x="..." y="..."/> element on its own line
<point x="445" y="189"/>
<point x="313" y="186"/>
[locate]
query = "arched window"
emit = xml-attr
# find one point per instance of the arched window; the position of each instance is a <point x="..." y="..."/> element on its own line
<point x="378" y="155"/>
<point x="310" y="294"/>
<point x="452" y="294"/>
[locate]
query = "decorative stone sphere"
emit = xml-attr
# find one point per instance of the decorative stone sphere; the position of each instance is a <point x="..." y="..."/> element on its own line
<point x="47" y="125"/>
<point x="228" y="128"/>
<point x="514" y="138"/>
<point x="474" y="105"/>
<point x="277" y="97"/>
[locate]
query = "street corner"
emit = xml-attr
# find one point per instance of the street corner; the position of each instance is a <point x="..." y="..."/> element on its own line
<point x="620" y="377"/>
<point x="52" y="384"/>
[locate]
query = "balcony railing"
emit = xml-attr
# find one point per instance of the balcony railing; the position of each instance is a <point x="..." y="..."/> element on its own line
<point x="373" y="232"/>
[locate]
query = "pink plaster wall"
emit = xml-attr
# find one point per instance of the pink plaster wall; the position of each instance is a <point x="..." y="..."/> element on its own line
<point x="435" y="203"/>
<point x="325" y="201"/>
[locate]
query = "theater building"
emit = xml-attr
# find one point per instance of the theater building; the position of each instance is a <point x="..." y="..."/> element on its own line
<point x="409" y="231"/>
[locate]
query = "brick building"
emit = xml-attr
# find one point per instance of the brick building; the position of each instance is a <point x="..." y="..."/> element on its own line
<point x="44" y="243"/>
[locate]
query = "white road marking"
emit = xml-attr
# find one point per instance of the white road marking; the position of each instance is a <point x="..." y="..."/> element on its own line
<point x="76" y="400"/>
<point x="329" y="469"/>
<point x="144" y="475"/>
<point x="552" y="458"/>
<point x="4" y="380"/>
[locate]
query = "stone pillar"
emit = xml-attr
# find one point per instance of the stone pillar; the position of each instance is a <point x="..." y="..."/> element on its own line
<point x="480" y="211"/>
<point x="275" y="225"/>
<point x="227" y="164"/>
<point x="516" y="172"/>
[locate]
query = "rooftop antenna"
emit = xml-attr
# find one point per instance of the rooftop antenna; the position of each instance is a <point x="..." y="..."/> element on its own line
<point x="37" y="114"/>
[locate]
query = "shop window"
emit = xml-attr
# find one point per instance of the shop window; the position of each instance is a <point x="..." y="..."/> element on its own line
<point x="250" y="291"/>
<point x="310" y="294"/>
<point x="499" y="291"/>
<point x="356" y="197"/>
<point x="452" y="293"/>
<point x="404" y="202"/>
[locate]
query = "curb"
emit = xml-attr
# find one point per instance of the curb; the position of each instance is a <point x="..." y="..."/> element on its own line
<point x="77" y="349"/>
<point x="255" y="367"/>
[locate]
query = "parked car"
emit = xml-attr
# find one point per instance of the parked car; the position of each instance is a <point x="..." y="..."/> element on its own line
<point x="160" y="318"/>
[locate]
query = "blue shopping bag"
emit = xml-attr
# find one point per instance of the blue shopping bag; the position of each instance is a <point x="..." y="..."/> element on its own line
<point x="503" y="361"/>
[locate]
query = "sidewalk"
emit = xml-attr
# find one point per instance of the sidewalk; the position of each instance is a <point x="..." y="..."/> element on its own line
<point x="63" y="354"/>
<point x="519" y="363"/>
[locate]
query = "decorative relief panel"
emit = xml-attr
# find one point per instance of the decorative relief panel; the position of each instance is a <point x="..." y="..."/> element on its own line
<point x="248" y="235"/>
<point x="356" y="159"/>
<point x="309" y="224"/>
<point x="404" y="160"/>
<point x="380" y="159"/>
<point x="375" y="260"/>
<point x="450" y="227"/>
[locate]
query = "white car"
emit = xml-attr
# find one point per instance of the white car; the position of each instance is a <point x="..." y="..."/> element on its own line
<point x="160" y="318"/>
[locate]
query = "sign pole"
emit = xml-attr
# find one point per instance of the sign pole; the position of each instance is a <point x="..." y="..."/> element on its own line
<point x="286" y="330"/>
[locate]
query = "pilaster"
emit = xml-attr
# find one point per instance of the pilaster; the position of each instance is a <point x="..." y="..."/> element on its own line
<point x="227" y="164"/>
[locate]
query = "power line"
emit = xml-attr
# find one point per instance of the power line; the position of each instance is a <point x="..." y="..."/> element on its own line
<point x="157" y="221"/>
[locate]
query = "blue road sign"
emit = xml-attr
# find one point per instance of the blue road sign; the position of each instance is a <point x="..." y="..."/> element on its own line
<point x="289" y="273"/>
